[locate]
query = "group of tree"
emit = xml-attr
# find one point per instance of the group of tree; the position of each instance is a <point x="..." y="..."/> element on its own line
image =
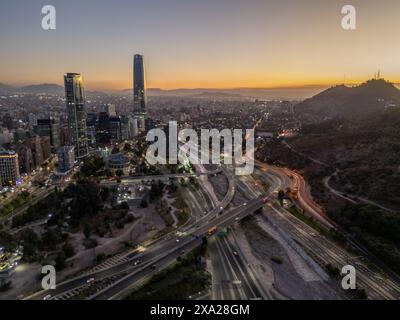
<point x="378" y="229"/>
<point x="21" y="199"/>
<point x="86" y="200"/>
<point x="156" y="190"/>
<point x="93" y="166"/>
<point x="47" y="206"/>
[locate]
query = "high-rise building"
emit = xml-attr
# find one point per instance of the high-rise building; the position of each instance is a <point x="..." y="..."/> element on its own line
<point x="110" y="109"/>
<point x="125" y="135"/>
<point x="139" y="88"/>
<point x="76" y="111"/>
<point x="8" y="121"/>
<point x="64" y="135"/>
<point x="66" y="158"/>
<point x="46" y="147"/>
<point x="25" y="158"/>
<point x="49" y="127"/>
<point x="5" y="136"/>
<point x="35" y="144"/>
<point x="103" y="129"/>
<point x="91" y="123"/>
<point x="9" y="167"/>
<point x="133" y="127"/>
<point x="115" y="129"/>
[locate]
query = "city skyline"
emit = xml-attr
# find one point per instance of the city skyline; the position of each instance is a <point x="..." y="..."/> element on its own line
<point x="207" y="45"/>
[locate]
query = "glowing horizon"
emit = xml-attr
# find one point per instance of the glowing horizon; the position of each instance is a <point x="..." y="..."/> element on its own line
<point x="244" y="44"/>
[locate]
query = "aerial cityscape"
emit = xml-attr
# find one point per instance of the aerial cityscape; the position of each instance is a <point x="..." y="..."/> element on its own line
<point x="166" y="158"/>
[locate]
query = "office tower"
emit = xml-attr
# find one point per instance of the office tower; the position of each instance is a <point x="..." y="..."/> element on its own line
<point x="32" y="118"/>
<point x="76" y="111"/>
<point x="66" y="158"/>
<point x="133" y="127"/>
<point x="64" y="135"/>
<point x="149" y="124"/>
<point x="20" y="135"/>
<point x="35" y="144"/>
<point x="9" y="167"/>
<point x="8" y="121"/>
<point x="124" y="127"/>
<point x="139" y="89"/>
<point x="49" y="127"/>
<point x="91" y="123"/>
<point x="103" y="129"/>
<point x="46" y="147"/>
<point x="5" y="136"/>
<point x="110" y="109"/>
<point x="25" y="158"/>
<point x="115" y="129"/>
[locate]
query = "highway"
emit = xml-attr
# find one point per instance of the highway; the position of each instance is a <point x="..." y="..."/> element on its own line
<point x="233" y="279"/>
<point x="378" y="284"/>
<point x="164" y="177"/>
<point x="170" y="251"/>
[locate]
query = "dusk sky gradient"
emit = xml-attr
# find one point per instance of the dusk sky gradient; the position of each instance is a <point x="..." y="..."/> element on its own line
<point x="199" y="43"/>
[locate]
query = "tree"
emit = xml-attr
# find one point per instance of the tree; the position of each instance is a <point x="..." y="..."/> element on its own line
<point x="119" y="173"/>
<point x="68" y="250"/>
<point x="86" y="200"/>
<point x="361" y="294"/>
<point x="61" y="261"/>
<point x="30" y="241"/>
<point x="92" y="166"/>
<point x="5" y="285"/>
<point x="115" y="150"/>
<point x="119" y="224"/>
<point x="104" y="193"/>
<point x="129" y="218"/>
<point x="143" y="203"/>
<point x="281" y="195"/>
<point x="87" y="231"/>
<point x="128" y="147"/>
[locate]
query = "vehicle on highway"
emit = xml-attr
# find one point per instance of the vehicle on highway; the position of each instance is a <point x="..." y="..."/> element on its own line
<point x="154" y="266"/>
<point x="90" y="280"/>
<point x="47" y="297"/>
<point x="211" y="231"/>
<point x="235" y="253"/>
<point x="237" y="219"/>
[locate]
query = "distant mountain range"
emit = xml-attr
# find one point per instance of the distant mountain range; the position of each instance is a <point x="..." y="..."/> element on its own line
<point x="46" y="88"/>
<point x="343" y="101"/>
<point x="4" y="88"/>
<point x="297" y="93"/>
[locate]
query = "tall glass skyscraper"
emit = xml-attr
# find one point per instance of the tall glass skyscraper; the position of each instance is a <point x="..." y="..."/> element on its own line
<point x="76" y="111"/>
<point x="139" y="90"/>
